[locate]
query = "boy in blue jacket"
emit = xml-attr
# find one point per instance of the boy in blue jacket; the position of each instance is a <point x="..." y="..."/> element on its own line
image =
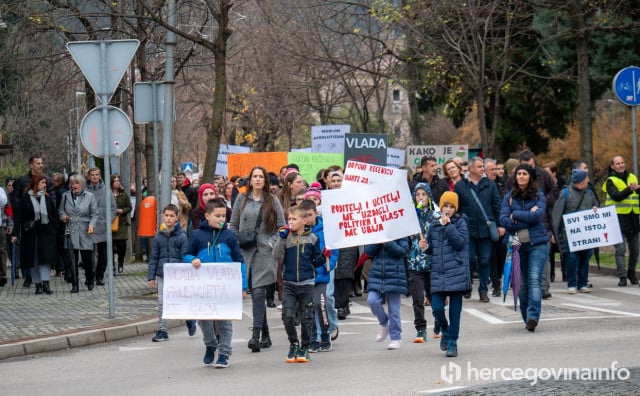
<point x="322" y="301"/>
<point x="212" y="242"/>
<point x="169" y="245"/>
<point x="299" y="250"/>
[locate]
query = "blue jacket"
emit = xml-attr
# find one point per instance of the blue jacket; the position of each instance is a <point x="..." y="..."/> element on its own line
<point x="167" y="247"/>
<point x="523" y="217"/>
<point x="322" y="275"/>
<point x="216" y="246"/>
<point x="449" y="250"/>
<point x="488" y="196"/>
<point x="388" y="273"/>
<point x="300" y="254"/>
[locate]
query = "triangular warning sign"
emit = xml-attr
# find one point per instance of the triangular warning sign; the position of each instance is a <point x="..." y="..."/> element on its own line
<point x="114" y="55"/>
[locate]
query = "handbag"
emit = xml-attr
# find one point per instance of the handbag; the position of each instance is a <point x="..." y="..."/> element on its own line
<point x="115" y="224"/>
<point x="493" y="227"/>
<point x="248" y="239"/>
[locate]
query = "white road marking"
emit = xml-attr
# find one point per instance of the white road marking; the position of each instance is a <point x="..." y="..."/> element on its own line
<point x="634" y="291"/>
<point x="453" y="388"/>
<point x="611" y="311"/>
<point x="588" y="299"/>
<point x="481" y="315"/>
<point x="134" y="349"/>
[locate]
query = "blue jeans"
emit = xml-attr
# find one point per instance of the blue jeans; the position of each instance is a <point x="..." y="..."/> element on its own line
<point x="451" y="328"/>
<point x="532" y="260"/>
<point x="374" y="299"/>
<point x="578" y="268"/>
<point x="225" y="331"/>
<point x="480" y="254"/>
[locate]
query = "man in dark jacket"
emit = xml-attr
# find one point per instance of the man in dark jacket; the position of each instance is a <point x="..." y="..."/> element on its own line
<point x="621" y="188"/>
<point x="185" y="185"/>
<point x="479" y="235"/>
<point x="429" y="175"/>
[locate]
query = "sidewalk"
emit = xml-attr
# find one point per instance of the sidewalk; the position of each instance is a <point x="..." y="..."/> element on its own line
<point x="41" y="323"/>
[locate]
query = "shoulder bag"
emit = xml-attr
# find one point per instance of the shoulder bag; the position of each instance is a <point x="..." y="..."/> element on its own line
<point x="493" y="227"/>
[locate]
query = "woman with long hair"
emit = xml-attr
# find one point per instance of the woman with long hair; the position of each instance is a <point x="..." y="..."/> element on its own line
<point x="37" y="223"/>
<point x="261" y="211"/>
<point x="123" y="208"/>
<point x="521" y="215"/>
<point x="79" y="210"/>
<point x="292" y="186"/>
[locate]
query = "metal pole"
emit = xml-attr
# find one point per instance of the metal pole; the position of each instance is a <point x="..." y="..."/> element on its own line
<point x="634" y="139"/>
<point x="167" y="124"/>
<point x="156" y="156"/>
<point x="104" y="101"/>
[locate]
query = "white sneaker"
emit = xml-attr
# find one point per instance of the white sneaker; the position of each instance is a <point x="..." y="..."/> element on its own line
<point x="394" y="344"/>
<point x="382" y="334"/>
<point x="571" y="290"/>
<point x="584" y="290"/>
<point x="279" y="307"/>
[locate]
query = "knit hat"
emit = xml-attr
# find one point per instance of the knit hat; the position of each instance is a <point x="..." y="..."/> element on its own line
<point x="314" y="190"/>
<point x="578" y="175"/>
<point x="510" y="164"/>
<point x="449" y="197"/>
<point x="526" y="167"/>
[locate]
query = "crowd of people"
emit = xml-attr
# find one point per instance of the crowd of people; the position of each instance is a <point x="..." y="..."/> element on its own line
<point x="470" y="218"/>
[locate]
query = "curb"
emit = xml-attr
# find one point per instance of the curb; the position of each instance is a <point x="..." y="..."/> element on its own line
<point x="82" y="338"/>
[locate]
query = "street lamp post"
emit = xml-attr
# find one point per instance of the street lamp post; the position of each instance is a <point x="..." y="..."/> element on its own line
<point x="77" y="135"/>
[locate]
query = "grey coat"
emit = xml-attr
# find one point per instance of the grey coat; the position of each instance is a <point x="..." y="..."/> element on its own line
<point x="82" y="213"/>
<point x="100" y="229"/>
<point x="261" y="267"/>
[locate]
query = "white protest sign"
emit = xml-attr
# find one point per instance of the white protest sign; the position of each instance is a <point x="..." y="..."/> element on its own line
<point x="586" y="229"/>
<point x="328" y="138"/>
<point x="362" y="213"/>
<point x="213" y="291"/>
<point x="395" y="157"/>
<point x="358" y="173"/>
<point x="224" y="149"/>
<point x="442" y="153"/>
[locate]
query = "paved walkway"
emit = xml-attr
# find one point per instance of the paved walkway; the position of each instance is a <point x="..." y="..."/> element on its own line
<point x="41" y="323"/>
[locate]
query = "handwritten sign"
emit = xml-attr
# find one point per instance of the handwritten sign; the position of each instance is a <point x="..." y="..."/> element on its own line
<point x="311" y="163"/>
<point x="328" y="138"/>
<point x="223" y="150"/>
<point x="395" y="157"/>
<point x="364" y="213"/>
<point x="441" y="152"/>
<point x="586" y="229"/>
<point x="213" y="291"/>
<point x="241" y="164"/>
<point x="356" y="173"/>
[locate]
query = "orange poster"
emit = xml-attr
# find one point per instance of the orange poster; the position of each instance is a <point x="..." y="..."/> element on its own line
<point x="241" y="164"/>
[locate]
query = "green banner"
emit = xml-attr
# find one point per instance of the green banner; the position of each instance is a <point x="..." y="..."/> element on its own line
<point x="311" y="163"/>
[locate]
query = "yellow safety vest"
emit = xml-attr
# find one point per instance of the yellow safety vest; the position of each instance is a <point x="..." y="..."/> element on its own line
<point x="626" y="205"/>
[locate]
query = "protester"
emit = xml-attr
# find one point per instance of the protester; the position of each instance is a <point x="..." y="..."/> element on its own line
<point x="99" y="236"/>
<point x="79" y="211"/>
<point x="206" y="192"/>
<point x="429" y="175"/>
<point x="419" y="264"/>
<point x="123" y="208"/>
<point x="621" y="188"/>
<point x="448" y="246"/>
<point x="574" y="198"/>
<point x="6" y="228"/>
<point x="214" y="243"/>
<point x="388" y="278"/>
<point x="521" y="215"/>
<point x="300" y="252"/>
<point x="453" y="174"/>
<point x="260" y="211"/>
<point x="168" y="246"/>
<point x="37" y="223"/>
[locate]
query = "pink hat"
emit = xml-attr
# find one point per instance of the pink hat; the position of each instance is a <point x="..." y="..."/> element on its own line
<point x="314" y="190"/>
<point x="290" y="170"/>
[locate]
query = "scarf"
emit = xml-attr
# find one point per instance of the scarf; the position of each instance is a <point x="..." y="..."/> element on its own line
<point x="39" y="206"/>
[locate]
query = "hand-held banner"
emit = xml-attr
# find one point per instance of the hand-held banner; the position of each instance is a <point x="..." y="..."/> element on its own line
<point x="586" y="229"/>
<point x="213" y="291"/>
<point x="361" y="213"/>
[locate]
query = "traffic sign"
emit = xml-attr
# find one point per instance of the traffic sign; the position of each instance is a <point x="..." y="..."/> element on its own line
<point x="113" y="55"/>
<point x="626" y="85"/>
<point x="187" y="167"/>
<point x="92" y="131"/>
<point x="146" y="96"/>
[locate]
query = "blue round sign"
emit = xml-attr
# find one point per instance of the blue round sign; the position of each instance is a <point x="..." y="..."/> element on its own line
<point x="626" y="85"/>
